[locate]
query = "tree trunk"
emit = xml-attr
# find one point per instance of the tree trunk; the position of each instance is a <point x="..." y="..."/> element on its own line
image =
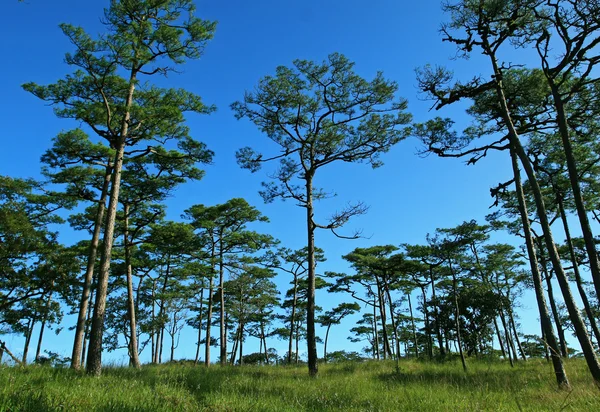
<point x="28" y="334"/>
<point x="510" y="346"/>
<point x="210" y="308"/>
<point x="297" y="340"/>
<point x="427" y="325"/>
<point x="94" y="361"/>
<point x="199" y="326"/>
<point x="133" y="342"/>
<point x="586" y="230"/>
<point x="80" y="327"/>
<point x="173" y="332"/>
<point x="311" y="337"/>
<point x="561" y="332"/>
<point x="160" y="346"/>
<point x="511" y="319"/>
<point x="578" y="281"/>
<point x="241" y="344"/>
<point x="325" y="345"/>
<point x="557" y="363"/>
<point x="499" y="338"/>
<point x="391" y="306"/>
<point x="382" y="313"/>
<point x="223" y="332"/>
<point x="293" y="318"/>
<point x="457" y="319"/>
<point x="414" y="329"/>
<point x="436" y="312"/>
<point x="375" y="331"/>
<point x="43" y="326"/>
<point x="153" y="337"/>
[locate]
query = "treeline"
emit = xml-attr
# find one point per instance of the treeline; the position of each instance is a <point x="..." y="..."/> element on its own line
<point x="456" y="293"/>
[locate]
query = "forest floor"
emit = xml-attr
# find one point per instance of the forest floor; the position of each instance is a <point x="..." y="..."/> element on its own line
<point x="364" y="386"/>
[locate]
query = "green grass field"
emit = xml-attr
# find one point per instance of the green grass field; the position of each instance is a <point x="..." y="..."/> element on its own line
<point x="367" y="386"/>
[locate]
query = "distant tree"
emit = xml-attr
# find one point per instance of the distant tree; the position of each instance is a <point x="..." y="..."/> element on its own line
<point x="334" y="317"/>
<point x="223" y="230"/>
<point x="319" y="114"/>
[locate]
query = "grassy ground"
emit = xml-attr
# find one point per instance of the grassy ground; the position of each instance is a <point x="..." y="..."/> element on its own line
<point x="353" y="386"/>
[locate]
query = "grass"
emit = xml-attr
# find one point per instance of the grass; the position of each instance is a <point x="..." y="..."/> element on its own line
<point x="367" y="386"/>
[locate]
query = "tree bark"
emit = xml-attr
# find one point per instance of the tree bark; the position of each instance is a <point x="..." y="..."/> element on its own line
<point x="578" y="281"/>
<point x="511" y="319"/>
<point x="561" y="332"/>
<point x="586" y="230"/>
<point x="133" y="342"/>
<point x="457" y="319"/>
<point x="223" y="332"/>
<point x="42" y="328"/>
<point x="293" y="318"/>
<point x="557" y="362"/>
<point x="436" y="312"/>
<point x="28" y="334"/>
<point x="86" y="293"/>
<point x="414" y="329"/>
<point x="427" y="325"/>
<point x="311" y="336"/>
<point x="199" y="326"/>
<point x="94" y="360"/>
<point x="499" y="338"/>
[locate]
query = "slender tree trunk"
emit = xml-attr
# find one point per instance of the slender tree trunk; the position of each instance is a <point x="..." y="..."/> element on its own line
<point x="561" y="332"/>
<point x="510" y="346"/>
<point x="133" y="342"/>
<point x="210" y="308"/>
<point x="311" y="337"/>
<point x="557" y="363"/>
<point x="153" y="336"/>
<point x="161" y="311"/>
<point x="375" y="331"/>
<point x="297" y="340"/>
<point x="499" y="338"/>
<point x="325" y="345"/>
<point x="457" y="319"/>
<point x="264" y="339"/>
<point x="89" y="275"/>
<point x="94" y="363"/>
<point x="382" y="313"/>
<point x="241" y="344"/>
<point x="162" y="340"/>
<point x="580" y="329"/>
<point x="293" y="318"/>
<point x="87" y="329"/>
<point x="578" y="281"/>
<point x="586" y="230"/>
<point x="173" y="333"/>
<point x="414" y="329"/>
<point x="436" y="312"/>
<point x="199" y="327"/>
<point x="509" y="339"/>
<point x="427" y="325"/>
<point x="223" y="331"/>
<point x="42" y="328"/>
<point x="511" y="319"/>
<point x="28" y="334"/>
<point x="1" y="351"/>
<point x="391" y="307"/>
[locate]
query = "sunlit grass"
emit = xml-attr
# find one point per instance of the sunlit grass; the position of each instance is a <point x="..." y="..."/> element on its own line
<point x="352" y="386"/>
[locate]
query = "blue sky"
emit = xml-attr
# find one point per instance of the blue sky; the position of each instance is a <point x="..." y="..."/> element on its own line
<point x="409" y="196"/>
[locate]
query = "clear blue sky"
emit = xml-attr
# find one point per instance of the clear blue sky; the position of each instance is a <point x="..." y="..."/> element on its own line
<point x="409" y="196"/>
